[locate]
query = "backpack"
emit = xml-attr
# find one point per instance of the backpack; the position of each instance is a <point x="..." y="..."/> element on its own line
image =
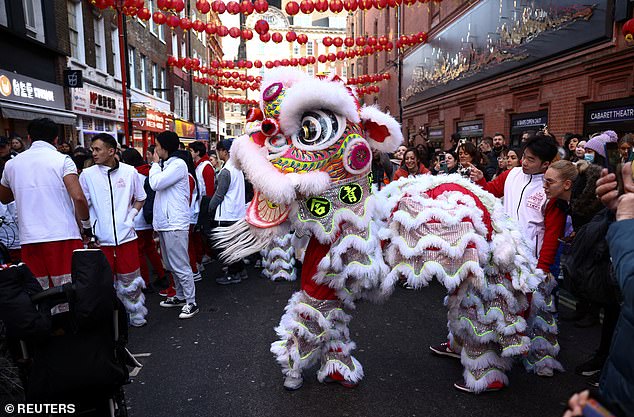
<point x="587" y="263"/>
<point x="148" y="206"/>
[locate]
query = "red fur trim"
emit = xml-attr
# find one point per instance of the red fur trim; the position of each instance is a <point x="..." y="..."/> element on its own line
<point x="258" y="138"/>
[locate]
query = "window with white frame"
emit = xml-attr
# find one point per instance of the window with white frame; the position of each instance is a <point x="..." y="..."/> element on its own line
<point x="33" y="19"/>
<point x="174" y="45"/>
<point x="296" y="49"/>
<point x="100" y="44"/>
<point x="153" y="26"/>
<point x="143" y="63"/>
<point x="196" y="110"/>
<point x="116" y="53"/>
<point x="185" y="105"/>
<point x="178" y="97"/>
<point x="163" y="84"/>
<point x="183" y="49"/>
<point x="75" y="29"/>
<point x="155" y="80"/>
<point x="309" y="48"/>
<point x="3" y="13"/>
<point x="132" y="65"/>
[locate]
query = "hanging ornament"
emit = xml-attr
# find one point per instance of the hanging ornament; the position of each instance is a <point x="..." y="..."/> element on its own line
<point x="261" y="27"/>
<point x="277" y="37"/>
<point x="292" y="8"/>
<point x="302" y="39"/>
<point x="336" y="6"/>
<point x="307" y="6"/>
<point x="261" y="6"/>
<point x="321" y="6"/>
<point x="246" y="7"/>
<point x="203" y="6"/>
<point x="327" y="41"/>
<point x="291" y="36"/>
<point x="265" y="37"/>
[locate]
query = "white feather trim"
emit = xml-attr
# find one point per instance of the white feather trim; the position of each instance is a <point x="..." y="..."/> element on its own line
<point x="395" y="138"/>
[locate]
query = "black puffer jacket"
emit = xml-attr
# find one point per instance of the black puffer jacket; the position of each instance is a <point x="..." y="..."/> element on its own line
<point x="584" y="204"/>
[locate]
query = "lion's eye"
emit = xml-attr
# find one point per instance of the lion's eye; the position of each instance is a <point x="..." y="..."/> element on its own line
<point x="317" y="127"/>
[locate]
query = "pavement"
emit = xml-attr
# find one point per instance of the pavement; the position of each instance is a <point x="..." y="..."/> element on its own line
<point x="218" y="363"/>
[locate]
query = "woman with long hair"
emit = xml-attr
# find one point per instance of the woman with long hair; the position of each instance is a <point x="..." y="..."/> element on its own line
<point x="411" y="165"/>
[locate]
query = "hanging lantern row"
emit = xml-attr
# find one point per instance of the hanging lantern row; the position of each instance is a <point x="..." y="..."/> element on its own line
<point x="238" y="85"/>
<point x="130" y="7"/>
<point x="238" y="100"/>
<point x="371" y="89"/>
<point x="368" y="78"/>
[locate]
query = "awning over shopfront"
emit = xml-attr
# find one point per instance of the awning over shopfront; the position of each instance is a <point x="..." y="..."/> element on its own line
<point x="29" y="112"/>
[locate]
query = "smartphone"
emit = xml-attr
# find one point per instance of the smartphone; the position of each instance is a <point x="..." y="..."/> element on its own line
<point x="443" y="162"/>
<point x="613" y="156"/>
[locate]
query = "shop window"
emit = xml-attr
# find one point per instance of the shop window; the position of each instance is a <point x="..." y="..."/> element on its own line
<point x="99" y="125"/>
<point x="75" y="30"/>
<point x="33" y="19"/>
<point x="185" y="105"/>
<point x="87" y="123"/>
<point x="132" y="64"/>
<point x="3" y="14"/>
<point x="116" y="53"/>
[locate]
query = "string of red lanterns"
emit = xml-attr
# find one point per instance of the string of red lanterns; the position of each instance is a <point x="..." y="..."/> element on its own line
<point x="368" y="78"/>
<point x="236" y="100"/>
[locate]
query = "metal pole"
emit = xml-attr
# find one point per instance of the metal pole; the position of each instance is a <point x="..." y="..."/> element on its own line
<point x="217" y="111"/>
<point x="191" y="75"/>
<point x="400" y="66"/>
<point x="124" y="79"/>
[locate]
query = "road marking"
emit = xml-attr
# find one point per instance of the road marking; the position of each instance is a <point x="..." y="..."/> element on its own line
<point x="141" y="355"/>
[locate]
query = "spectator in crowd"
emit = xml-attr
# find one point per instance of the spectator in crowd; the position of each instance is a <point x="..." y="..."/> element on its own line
<point x="397" y="158"/>
<point x="617" y="378"/>
<point x="228" y="204"/>
<point x="80" y="156"/>
<point x="625" y="146"/>
<point x="486" y="150"/>
<point x="571" y="141"/>
<point x="514" y="158"/>
<point x="115" y="196"/>
<point x="454" y="140"/>
<point x="143" y="225"/>
<point x="580" y="150"/>
<point x="9" y="231"/>
<point x="411" y="165"/>
<point x="450" y="166"/>
<point x="213" y="159"/>
<point x="422" y="151"/>
<point x="502" y="164"/>
<point x="64" y="148"/>
<point x="171" y="216"/>
<point x="48" y="220"/>
<point x="206" y="176"/>
<point x="149" y="154"/>
<point x="17" y="145"/>
<point x="381" y="169"/>
<point x="595" y="147"/>
<point x="470" y="157"/>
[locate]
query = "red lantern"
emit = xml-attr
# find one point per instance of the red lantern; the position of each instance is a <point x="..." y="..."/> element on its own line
<point x="321" y="5"/>
<point x="198" y="26"/>
<point x="349" y="42"/>
<point x="100" y="4"/>
<point x="332" y="57"/>
<point x="187" y="62"/>
<point x="360" y="41"/>
<point x="235" y="32"/>
<point x="277" y="63"/>
<point x="336" y="6"/>
<point x="338" y="42"/>
<point x="292" y="8"/>
<point x="365" y="4"/>
<point x="307" y="6"/>
<point x="276" y="37"/>
<point x="235" y="74"/>
<point x="265" y="37"/>
<point x="368" y="50"/>
<point x="291" y="36"/>
<point x="250" y="78"/>
<point x="210" y="28"/>
<point x="261" y="27"/>
<point x="172" y="21"/>
<point x="218" y="6"/>
<point x="246" y="7"/>
<point x="422" y="37"/>
<point x="178" y="5"/>
<point x="261" y="6"/>
<point x="162" y="4"/>
<point x="311" y="60"/>
<point x="322" y="59"/>
<point x="249" y="65"/>
<point x="350" y="5"/>
<point x="203" y="6"/>
<point x="269" y="64"/>
<point x="257" y="63"/>
<point x="389" y="46"/>
<point x="303" y="61"/>
<point x="215" y="64"/>
<point x="171" y="61"/>
<point x="247" y="34"/>
<point x="341" y="55"/>
<point x="159" y="18"/>
<point x="285" y="62"/>
<point x="144" y="14"/>
<point x="372" y="41"/>
<point x="185" y="24"/>
<point x="302" y="39"/>
<point x="222" y="31"/>
<point x="233" y="7"/>
<point x="391" y="3"/>
<point x="327" y="41"/>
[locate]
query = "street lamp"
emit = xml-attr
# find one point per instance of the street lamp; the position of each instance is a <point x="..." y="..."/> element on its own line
<point x="118" y="6"/>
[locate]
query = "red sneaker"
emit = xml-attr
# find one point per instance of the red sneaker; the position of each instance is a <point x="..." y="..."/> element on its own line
<point x="169" y="292"/>
<point x="492" y="387"/>
<point x="338" y="378"/>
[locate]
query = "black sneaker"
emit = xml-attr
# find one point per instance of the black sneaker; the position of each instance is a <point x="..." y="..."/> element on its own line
<point x="228" y="279"/>
<point x="189" y="311"/>
<point x="444" y="349"/>
<point x="591" y="367"/>
<point x="161" y="283"/>
<point x="172" y="302"/>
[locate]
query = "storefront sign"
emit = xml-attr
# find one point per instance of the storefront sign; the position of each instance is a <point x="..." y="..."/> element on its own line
<point x="21" y="89"/>
<point x="184" y="129"/>
<point x="202" y="133"/>
<point x="469" y="129"/>
<point x="154" y="122"/>
<point x="73" y="78"/>
<point x="618" y="114"/>
<point x="97" y="102"/>
<point x="436" y="133"/>
<point x="531" y="121"/>
<point x="138" y="112"/>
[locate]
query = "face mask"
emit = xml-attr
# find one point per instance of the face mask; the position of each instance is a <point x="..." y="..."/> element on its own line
<point x="589" y="157"/>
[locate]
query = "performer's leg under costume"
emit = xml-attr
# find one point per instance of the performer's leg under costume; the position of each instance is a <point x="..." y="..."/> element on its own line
<point x="315" y="327"/>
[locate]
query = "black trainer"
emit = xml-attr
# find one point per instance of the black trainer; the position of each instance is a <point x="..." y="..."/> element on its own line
<point x="172" y="302"/>
<point x="591" y="367"/>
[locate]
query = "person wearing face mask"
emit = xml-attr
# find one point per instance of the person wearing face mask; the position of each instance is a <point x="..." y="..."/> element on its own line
<point x="410" y="166"/>
<point x="595" y="148"/>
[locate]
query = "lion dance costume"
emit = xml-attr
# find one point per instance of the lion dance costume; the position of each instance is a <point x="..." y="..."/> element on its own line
<point x="308" y="153"/>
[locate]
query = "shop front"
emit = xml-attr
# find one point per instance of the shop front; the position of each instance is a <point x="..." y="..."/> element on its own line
<point x="23" y="99"/>
<point x="472" y="130"/>
<point x="146" y="124"/>
<point x="202" y="134"/>
<point x="185" y="130"/>
<point x="617" y="115"/>
<point x="436" y="137"/>
<point x="526" y="122"/>
<point x="100" y="111"/>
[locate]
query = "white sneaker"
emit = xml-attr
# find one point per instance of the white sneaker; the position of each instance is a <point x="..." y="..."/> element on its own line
<point x="189" y="310"/>
<point x="292" y="383"/>
<point x="197" y="276"/>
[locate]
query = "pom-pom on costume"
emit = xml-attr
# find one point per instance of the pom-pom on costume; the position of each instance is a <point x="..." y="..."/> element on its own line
<point x="308" y="157"/>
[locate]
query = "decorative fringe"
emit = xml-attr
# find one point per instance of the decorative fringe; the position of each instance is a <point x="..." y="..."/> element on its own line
<point x="278" y="262"/>
<point x="241" y="239"/>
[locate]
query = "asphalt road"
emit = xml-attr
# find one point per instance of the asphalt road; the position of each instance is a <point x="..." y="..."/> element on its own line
<point x="218" y="363"/>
